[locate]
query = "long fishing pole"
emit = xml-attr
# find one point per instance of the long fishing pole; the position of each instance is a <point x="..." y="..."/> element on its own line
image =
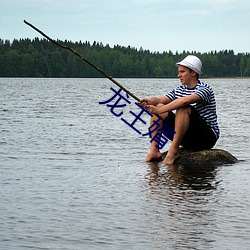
<point x="87" y="61"/>
<point x="84" y="59"/>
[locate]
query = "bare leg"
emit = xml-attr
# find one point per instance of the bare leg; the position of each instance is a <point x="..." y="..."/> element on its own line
<point x="181" y="127"/>
<point x="154" y="153"/>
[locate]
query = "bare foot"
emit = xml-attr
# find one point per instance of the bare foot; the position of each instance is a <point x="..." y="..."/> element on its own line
<point x="153" y="156"/>
<point x="170" y="157"/>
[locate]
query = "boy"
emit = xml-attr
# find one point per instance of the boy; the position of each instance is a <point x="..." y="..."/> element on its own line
<point x="195" y="120"/>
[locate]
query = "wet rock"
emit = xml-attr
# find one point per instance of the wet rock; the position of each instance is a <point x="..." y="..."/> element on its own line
<point x="204" y="157"/>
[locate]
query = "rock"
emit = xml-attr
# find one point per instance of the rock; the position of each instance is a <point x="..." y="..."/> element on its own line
<point x="205" y="157"/>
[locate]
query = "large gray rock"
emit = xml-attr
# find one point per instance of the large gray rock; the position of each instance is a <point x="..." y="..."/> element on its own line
<point x="205" y="157"/>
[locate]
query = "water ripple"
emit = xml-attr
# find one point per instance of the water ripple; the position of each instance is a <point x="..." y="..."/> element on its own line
<point x="72" y="175"/>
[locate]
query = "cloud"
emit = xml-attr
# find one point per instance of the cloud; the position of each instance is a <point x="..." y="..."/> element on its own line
<point x="222" y="2"/>
<point x="225" y="5"/>
<point x="83" y="6"/>
<point x="152" y="24"/>
<point x="149" y="2"/>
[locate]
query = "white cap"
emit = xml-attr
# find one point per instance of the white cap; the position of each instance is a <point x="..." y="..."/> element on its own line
<point x="191" y="62"/>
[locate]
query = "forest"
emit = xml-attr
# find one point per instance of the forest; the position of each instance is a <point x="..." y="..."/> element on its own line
<point x="41" y="58"/>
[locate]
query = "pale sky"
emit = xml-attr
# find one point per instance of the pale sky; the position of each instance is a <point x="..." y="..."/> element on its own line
<point x="156" y="25"/>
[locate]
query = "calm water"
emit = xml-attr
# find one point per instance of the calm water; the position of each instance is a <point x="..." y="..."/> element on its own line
<point x="72" y="175"/>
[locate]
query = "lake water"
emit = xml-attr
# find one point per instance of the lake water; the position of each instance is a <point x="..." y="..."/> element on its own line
<point x="72" y="174"/>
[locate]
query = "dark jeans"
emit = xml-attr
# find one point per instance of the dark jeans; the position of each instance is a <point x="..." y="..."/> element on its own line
<point x="199" y="135"/>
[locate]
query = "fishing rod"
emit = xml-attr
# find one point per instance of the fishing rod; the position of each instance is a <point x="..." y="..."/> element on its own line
<point x="84" y="59"/>
<point x="87" y="61"/>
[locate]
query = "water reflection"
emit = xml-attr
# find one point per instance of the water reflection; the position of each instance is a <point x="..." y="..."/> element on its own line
<point x="183" y="197"/>
<point x="183" y="177"/>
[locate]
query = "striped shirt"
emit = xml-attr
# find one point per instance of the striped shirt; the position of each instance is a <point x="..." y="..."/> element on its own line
<point x="206" y="108"/>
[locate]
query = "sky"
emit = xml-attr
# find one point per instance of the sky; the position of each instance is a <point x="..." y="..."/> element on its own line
<point x="155" y="25"/>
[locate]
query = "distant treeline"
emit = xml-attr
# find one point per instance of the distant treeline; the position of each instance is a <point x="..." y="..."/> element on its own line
<point x="41" y="58"/>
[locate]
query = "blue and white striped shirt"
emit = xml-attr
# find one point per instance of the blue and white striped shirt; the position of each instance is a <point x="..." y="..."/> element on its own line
<point x="206" y="108"/>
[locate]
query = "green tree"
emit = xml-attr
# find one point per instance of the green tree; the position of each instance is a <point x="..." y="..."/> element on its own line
<point x="247" y="69"/>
